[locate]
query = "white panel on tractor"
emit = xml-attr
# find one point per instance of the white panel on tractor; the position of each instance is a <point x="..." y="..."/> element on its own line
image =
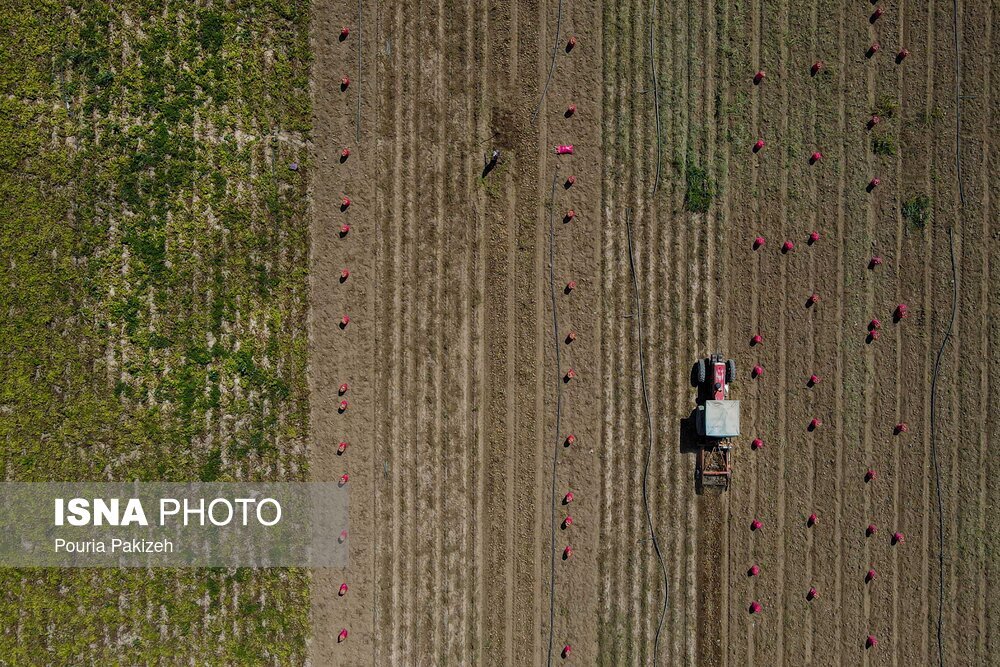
<point x="722" y="419"/>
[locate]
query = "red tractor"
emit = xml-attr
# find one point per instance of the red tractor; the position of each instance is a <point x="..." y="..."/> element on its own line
<point x="717" y="420"/>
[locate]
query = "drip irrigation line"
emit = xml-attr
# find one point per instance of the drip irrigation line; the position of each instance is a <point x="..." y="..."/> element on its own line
<point x="555" y="451"/>
<point x="934" y="458"/>
<point x="357" y="123"/>
<point x="649" y="432"/>
<point x="552" y="65"/>
<point x="656" y="96"/>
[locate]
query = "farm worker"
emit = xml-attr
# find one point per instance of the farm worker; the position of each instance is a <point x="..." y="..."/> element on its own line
<point x="571" y="43"/>
<point x="570" y="374"/>
<point x="817" y="66"/>
<point x="343" y="635"/>
<point x="570" y="286"/>
<point x="345" y="273"/>
<point x="570" y="440"/>
<point x="877" y="14"/>
<point x="343" y="589"/>
<point x="345" y="202"/>
<point x="759" y="76"/>
<point x="876" y="323"/>
<point x="870" y="475"/>
<point x="753" y="571"/>
<point x="570" y="180"/>
<point x="758" y="146"/>
<point x="898" y="538"/>
<point x="345" y="230"/>
<point x="871" y="529"/>
<point x="342" y="447"/>
<point x="757" y="371"/>
<point x="571" y="336"/>
<point x="570" y="214"/>
<point x="815" y="423"/>
<point x="757" y="443"/>
<point x="344" y="32"/>
<point x="343" y="536"/>
<point x="812" y="520"/>
<point x="874" y="261"/>
<point x="757" y="339"/>
<point x="812" y="594"/>
<point x="756" y="525"/>
<point x="344" y="479"/>
<point x="813" y="298"/>
<point x="567" y="522"/>
<point x="755" y="607"/>
<point x="567" y="552"/>
<point x="874" y="183"/>
<point x="813" y="237"/>
<point x="874" y="334"/>
<point x="346" y="153"/>
<point x="901" y="311"/>
<point x="870" y="576"/>
<point x="759" y="242"/>
<point x="874" y="120"/>
<point x="815" y="157"/>
<point x="787" y="246"/>
<point x="568" y="498"/>
<point x="871" y="642"/>
<point x="343" y="406"/>
<point x="901" y="56"/>
<point x="344" y="321"/>
<point x="813" y="380"/>
<point x="567" y="649"/>
<point x="571" y="109"/>
<point x="873" y="49"/>
<point x="342" y="389"/>
<point x="345" y="81"/>
<point x="901" y="427"/>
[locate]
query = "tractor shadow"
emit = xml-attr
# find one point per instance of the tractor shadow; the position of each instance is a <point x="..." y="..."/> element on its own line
<point x="689" y="442"/>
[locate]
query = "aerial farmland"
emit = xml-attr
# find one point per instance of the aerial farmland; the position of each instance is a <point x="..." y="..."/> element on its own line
<point x="501" y="271"/>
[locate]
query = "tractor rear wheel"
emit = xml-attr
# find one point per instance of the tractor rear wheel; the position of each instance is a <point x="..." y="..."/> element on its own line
<point x="730" y="370"/>
<point x="699" y="373"/>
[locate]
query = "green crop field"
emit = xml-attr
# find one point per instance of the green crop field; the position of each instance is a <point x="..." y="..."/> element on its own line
<point x="154" y="245"/>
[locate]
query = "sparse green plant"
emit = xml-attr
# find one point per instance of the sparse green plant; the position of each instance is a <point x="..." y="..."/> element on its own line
<point x="700" y="189"/>
<point x="886" y="107"/>
<point x="917" y="211"/>
<point x="884" y="145"/>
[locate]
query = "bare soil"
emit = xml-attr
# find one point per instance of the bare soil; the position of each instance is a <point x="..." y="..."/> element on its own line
<point x="455" y="307"/>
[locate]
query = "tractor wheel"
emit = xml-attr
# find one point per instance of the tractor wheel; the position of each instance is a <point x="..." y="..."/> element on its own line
<point x="699" y="465"/>
<point x="730" y="370"/>
<point x="699" y="372"/>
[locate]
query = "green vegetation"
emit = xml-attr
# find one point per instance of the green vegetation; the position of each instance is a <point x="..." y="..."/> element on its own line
<point x="886" y="107"/>
<point x="917" y="211"/>
<point x="154" y="296"/>
<point x="885" y="146"/>
<point x="700" y="189"/>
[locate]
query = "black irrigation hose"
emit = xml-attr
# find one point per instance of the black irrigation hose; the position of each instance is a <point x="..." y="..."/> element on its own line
<point x="656" y="96"/>
<point x="649" y="432"/>
<point x="934" y="459"/>
<point x="552" y="65"/>
<point x="555" y="452"/>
